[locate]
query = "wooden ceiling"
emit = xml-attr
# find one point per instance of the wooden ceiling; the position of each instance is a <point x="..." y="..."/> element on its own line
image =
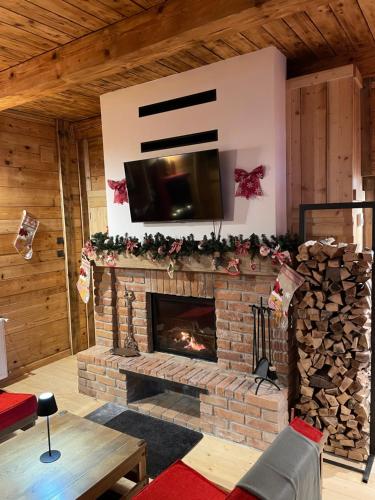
<point x="324" y="34"/>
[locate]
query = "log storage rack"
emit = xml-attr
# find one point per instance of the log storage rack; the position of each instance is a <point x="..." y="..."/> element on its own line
<point x="351" y="464"/>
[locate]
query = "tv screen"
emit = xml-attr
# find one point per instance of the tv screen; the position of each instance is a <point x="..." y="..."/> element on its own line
<point x="175" y="188"/>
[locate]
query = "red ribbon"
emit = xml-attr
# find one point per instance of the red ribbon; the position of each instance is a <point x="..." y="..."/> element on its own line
<point x="131" y="246"/>
<point x="89" y="250"/>
<point x="242" y="248"/>
<point x="176" y="247"/>
<point x="249" y="182"/>
<point x="280" y="257"/>
<point x="121" y="191"/>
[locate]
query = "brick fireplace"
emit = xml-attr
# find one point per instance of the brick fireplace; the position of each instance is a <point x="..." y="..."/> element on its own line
<point x="213" y="393"/>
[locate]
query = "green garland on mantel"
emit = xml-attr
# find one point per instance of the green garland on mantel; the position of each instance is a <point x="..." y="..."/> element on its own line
<point x="159" y="247"/>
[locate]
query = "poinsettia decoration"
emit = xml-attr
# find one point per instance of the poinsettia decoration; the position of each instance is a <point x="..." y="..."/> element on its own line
<point x="249" y="182"/>
<point x="120" y="191"/>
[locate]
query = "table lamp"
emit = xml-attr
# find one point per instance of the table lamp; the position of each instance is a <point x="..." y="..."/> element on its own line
<point x="47" y="406"/>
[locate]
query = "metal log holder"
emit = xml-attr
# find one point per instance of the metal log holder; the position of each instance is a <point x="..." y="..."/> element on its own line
<point x="262" y="335"/>
<point x="130" y="347"/>
<point x="302" y="231"/>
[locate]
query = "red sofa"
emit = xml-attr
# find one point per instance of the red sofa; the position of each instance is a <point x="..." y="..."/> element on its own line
<point x="182" y="482"/>
<point x="17" y="411"/>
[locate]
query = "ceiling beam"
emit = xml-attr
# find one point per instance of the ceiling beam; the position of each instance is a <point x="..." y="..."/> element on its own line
<point x="160" y="31"/>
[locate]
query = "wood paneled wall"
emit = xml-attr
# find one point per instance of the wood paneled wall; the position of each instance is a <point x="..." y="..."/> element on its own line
<point x="70" y="188"/>
<point x="89" y="139"/>
<point x="89" y="146"/>
<point x="324" y="149"/>
<point x="32" y="293"/>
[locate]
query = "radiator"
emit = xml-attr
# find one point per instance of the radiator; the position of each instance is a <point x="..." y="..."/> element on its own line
<point x="3" y="352"/>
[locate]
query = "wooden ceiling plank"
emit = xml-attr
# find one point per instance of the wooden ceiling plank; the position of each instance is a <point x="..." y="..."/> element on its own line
<point x="262" y="39"/>
<point x="363" y="59"/>
<point x="239" y="43"/>
<point x="159" y="69"/>
<point x="15" y="51"/>
<point x="34" y="27"/>
<point x="147" y="4"/>
<point x="190" y="59"/>
<point x="126" y="8"/>
<point x="99" y="87"/>
<point x="71" y="12"/>
<point x="353" y="23"/>
<point x="294" y="46"/>
<point x="221" y="49"/>
<point x="98" y="9"/>
<point x="306" y="30"/>
<point x="147" y="73"/>
<point x="44" y="16"/>
<point x="133" y="42"/>
<point x="24" y="39"/>
<point x="204" y="54"/>
<point x="121" y="79"/>
<point x="325" y="20"/>
<point x="175" y="63"/>
<point x="368" y="10"/>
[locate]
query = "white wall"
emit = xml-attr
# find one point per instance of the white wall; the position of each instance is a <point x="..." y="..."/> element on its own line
<point x="250" y="117"/>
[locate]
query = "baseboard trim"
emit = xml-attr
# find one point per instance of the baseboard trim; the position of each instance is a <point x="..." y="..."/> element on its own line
<point x="20" y="372"/>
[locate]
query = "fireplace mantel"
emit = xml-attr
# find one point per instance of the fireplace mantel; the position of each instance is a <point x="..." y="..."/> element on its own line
<point x="202" y="264"/>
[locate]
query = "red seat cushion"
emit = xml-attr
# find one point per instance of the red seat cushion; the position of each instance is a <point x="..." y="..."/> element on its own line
<point x="15" y="407"/>
<point x="180" y="482"/>
<point x="240" y="494"/>
<point x="306" y="429"/>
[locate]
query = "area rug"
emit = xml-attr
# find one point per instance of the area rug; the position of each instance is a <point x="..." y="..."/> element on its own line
<point x="166" y="442"/>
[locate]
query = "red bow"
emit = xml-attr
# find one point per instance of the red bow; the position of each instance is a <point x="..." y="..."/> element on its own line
<point x="89" y="250"/>
<point x="131" y="246"/>
<point x="280" y="257"/>
<point x="176" y="247"/>
<point x="249" y="182"/>
<point x="121" y="191"/>
<point x="242" y="248"/>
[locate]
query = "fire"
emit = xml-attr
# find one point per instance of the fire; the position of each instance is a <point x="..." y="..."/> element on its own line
<point x="191" y="342"/>
<point x="194" y="346"/>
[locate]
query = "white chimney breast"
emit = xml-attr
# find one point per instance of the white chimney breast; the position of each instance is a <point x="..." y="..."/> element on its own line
<point x="249" y="114"/>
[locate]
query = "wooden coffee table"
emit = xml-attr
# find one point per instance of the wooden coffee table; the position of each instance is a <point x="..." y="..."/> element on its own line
<point x="93" y="458"/>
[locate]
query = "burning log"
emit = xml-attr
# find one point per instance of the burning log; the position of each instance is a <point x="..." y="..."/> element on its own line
<point x="332" y="319"/>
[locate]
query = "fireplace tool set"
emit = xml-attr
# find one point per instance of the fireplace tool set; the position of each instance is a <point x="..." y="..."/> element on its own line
<point x="262" y="335"/>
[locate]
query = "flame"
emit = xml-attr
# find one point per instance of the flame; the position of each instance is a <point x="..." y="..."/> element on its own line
<point x="192" y="344"/>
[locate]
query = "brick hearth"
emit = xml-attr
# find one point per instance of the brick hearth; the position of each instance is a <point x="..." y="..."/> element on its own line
<point x="228" y="405"/>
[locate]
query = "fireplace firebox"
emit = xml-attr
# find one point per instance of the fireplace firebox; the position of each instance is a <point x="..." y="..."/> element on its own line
<point x="184" y="326"/>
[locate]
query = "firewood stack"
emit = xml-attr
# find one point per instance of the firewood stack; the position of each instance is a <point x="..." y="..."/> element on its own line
<point x="333" y="329"/>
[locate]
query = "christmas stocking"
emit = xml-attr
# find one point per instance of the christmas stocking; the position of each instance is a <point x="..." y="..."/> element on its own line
<point x="286" y="284"/>
<point x="83" y="283"/>
<point x="25" y="236"/>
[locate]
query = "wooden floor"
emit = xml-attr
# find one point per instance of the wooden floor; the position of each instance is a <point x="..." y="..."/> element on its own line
<point x="220" y="461"/>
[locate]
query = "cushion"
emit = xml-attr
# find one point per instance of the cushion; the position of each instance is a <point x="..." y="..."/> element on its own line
<point x="15" y="407"/>
<point x="240" y="494"/>
<point x="180" y="481"/>
<point x="306" y="429"/>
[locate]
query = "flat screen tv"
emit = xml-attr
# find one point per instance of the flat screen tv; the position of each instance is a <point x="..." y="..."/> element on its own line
<point x="175" y="188"/>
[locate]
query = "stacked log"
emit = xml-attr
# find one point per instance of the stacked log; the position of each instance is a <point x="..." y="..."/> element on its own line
<point x="333" y="328"/>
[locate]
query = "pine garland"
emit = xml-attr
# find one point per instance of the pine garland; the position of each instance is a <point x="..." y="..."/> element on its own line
<point x="159" y="247"/>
